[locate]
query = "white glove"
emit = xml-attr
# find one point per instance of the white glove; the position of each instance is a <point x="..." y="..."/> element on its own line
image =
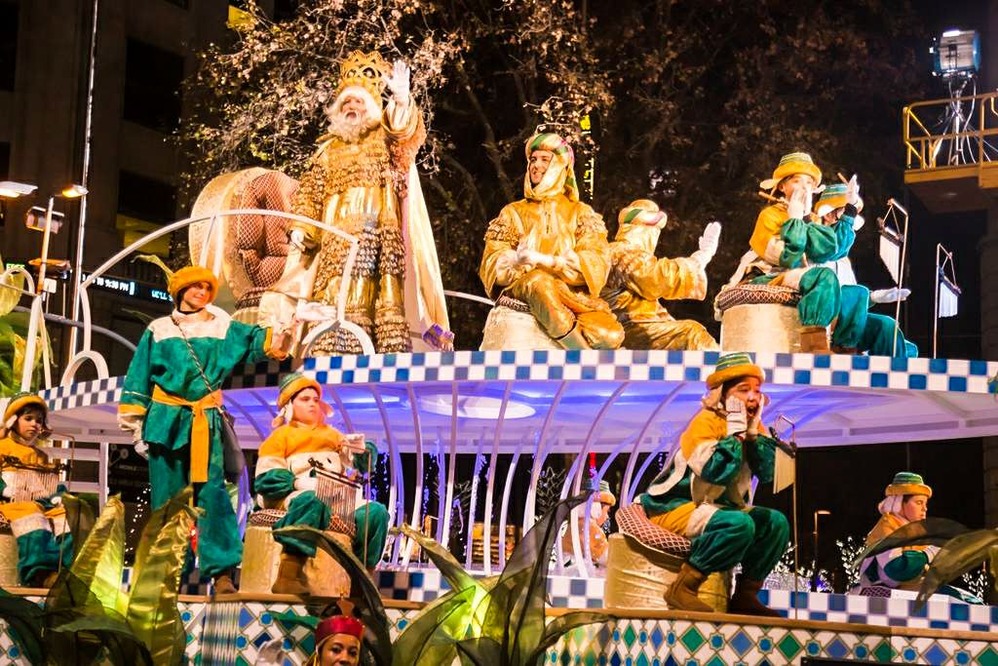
<point x="799" y="204"/>
<point x="271" y="653"/>
<point x="708" y="244"/>
<point x="737" y="415"/>
<point x="852" y="191"/>
<point x="527" y="257"/>
<point x="398" y="82"/>
<point x="141" y="448"/>
<point x="892" y="295"/>
<point x="306" y="483"/>
<point x="297" y="238"/>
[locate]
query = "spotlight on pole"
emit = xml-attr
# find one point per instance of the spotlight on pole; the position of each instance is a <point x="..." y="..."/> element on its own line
<point x="956" y="54"/>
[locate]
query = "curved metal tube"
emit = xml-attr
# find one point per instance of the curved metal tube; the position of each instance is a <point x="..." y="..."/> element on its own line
<point x="491" y="483"/>
<point x="417" y="499"/>
<point x="625" y="484"/>
<point x="530" y="508"/>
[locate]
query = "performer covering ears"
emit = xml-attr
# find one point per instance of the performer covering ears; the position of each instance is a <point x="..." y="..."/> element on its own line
<point x="285" y="480"/>
<point x="703" y="493"/>
<point x="858" y="329"/>
<point x="338" y="642"/>
<point x="170" y="402"/>
<point x="638" y="280"/>
<point x="785" y="244"/>
<point x="906" y="500"/>
<point x="40" y="549"/>
<point x="549" y="251"/>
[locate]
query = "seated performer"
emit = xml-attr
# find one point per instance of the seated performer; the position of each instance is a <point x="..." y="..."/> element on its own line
<point x="703" y="493"/>
<point x="599" y="514"/>
<point x="638" y="280"/>
<point x="858" y="330"/>
<point x="39" y="550"/>
<point x="785" y="245"/>
<point x="549" y="251"/>
<point x="286" y="480"/>
<point x="338" y="641"/>
<point x="906" y="500"/>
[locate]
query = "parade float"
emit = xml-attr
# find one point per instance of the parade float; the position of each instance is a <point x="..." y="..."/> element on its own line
<point x="469" y="438"/>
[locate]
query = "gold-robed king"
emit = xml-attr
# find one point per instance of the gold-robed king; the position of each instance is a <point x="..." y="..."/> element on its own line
<point x="550" y="252"/>
<point x="362" y="179"/>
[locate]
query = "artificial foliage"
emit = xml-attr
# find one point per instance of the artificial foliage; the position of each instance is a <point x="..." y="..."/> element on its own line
<point x="87" y="618"/>
<point x="500" y="620"/>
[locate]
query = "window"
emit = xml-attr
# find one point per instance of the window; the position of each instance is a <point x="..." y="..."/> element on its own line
<point x="146" y="198"/>
<point x="8" y="44"/>
<point x="152" y="86"/>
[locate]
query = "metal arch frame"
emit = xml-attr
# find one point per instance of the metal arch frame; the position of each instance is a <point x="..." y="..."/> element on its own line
<point x="626" y="490"/>
<point x="417" y="498"/>
<point x="472" y="505"/>
<point x="574" y="479"/>
<point x="504" y="510"/>
<point x="395" y="503"/>
<point x="186" y="222"/>
<point x="530" y="507"/>
<point x="444" y="527"/>
<point x="490" y="483"/>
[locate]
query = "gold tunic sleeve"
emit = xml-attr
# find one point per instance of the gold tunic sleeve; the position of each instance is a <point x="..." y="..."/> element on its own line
<point x="501" y="238"/>
<point x="671" y="279"/>
<point x="593" y="249"/>
<point x="767" y="227"/>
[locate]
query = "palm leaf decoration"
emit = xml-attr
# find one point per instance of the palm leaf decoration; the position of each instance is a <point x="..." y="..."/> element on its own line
<point x="377" y="637"/>
<point x="499" y="621"/>
<point x="928" y="532"/>
<point x="88" y="619"/>
<point x="958" y="556"/>
<point x="24" y="619"/>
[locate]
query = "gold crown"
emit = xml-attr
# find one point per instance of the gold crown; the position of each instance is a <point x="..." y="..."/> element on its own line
<point x="366" y="70"/>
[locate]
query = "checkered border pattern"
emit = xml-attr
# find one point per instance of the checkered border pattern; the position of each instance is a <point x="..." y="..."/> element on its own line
<point x="637" y="365"/>
<point x="940" y="612"/>
<point x="621" y="365"/>
<point x="108" y="391"/>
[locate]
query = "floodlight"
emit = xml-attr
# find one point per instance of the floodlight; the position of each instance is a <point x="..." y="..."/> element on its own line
<point x="956" y="53"/>
<point x="35" y="219"/>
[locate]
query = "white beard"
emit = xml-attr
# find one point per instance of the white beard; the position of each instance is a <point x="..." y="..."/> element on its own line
<point x="351" y="130"/>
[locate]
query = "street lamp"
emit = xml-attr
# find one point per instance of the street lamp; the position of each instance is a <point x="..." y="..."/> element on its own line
<point x="10" y="189"/>
<point x="814" y="575"/>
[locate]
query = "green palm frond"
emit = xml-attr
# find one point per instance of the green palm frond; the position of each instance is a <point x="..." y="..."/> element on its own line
<point x="371" y="609"/>
<point x="958" y="556"/>
<point x="928" y="532"/>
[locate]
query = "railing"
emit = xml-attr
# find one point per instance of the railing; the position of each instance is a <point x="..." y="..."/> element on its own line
<point x="951" y="132"/>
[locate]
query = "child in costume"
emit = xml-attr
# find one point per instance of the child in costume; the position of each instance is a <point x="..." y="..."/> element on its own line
<point x="906" y="500"/>
<point x="703" y="493"/>
<point x="285" y="480"/>
<point x="785" y="244"/>
<point x="338" y="641"/>
<point x="858" y="329"/>
<point x="40" y="549"/>
<point x="170" y="402"/>
<point x="638" y="279"/>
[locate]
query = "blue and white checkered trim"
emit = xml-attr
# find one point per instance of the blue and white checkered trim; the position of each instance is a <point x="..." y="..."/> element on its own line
<point x="835" y="370"/>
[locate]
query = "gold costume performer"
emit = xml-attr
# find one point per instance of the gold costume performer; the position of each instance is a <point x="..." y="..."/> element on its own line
<point x="362" y="179"/>
<point x="549" y="251"/>
<point x="638" y="280"/>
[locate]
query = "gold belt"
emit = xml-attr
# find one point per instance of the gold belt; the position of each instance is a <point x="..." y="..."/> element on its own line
<point x="200" y="434"/>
